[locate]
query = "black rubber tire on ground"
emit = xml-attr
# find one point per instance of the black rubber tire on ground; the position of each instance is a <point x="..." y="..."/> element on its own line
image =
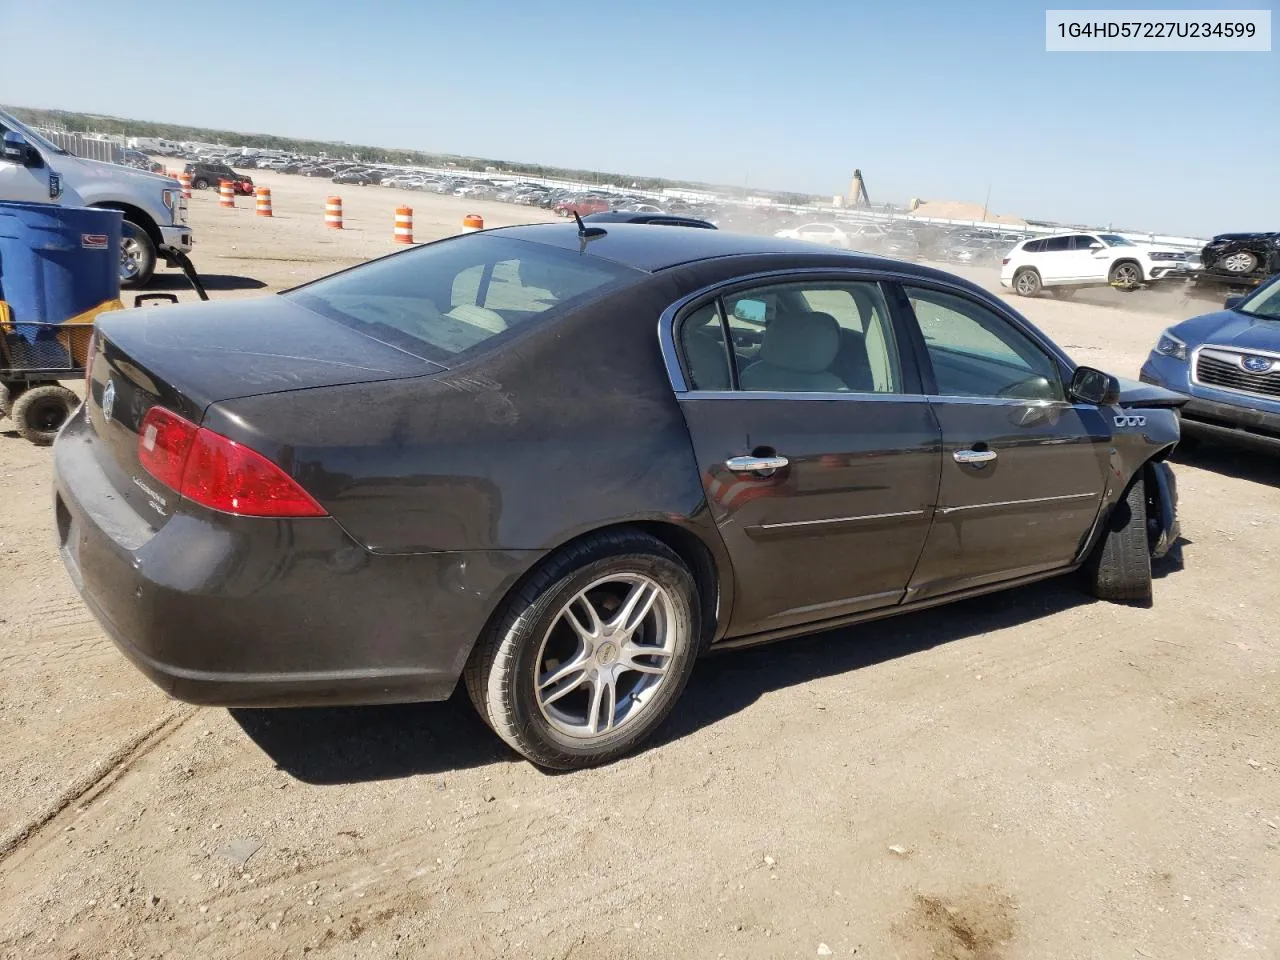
<point x="1026" y="282"/>
<point x="502" y="670"/>
<point x="40" y="412"/>
<point x="200" y="183"/>
<point x="7" y="395"/>
<point x="1125" y="275"/>
<point x="1119" y="569"/>
<point x="144" y="254"/>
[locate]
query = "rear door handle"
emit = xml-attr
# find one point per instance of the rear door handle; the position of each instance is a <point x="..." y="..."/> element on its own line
<point x="976" y="458"/>
<point x="756" y="464"/>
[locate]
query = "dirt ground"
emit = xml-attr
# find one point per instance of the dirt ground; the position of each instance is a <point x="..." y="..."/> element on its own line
<point x="1028" y="775"/>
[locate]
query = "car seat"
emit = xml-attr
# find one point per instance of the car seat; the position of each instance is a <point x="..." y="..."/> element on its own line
<point x="796" y="354"/>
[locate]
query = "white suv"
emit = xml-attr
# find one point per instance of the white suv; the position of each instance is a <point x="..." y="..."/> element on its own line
<point x="1067" y="261"/>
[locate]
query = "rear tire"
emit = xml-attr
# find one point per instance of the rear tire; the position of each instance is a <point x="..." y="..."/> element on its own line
<point x="40" y="412"/>
<point x="1026" y="282"/>
<point x="200" y="183"/>
<point x="1119" y="569"/>
<point x="558" y="723"/>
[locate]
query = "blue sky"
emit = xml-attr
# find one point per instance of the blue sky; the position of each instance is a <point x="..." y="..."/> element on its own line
<point x="935" y="100"/>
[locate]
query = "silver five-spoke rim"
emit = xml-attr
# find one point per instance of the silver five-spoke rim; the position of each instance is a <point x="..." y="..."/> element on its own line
<point x="605" y="655"/>
<point x="1025" y="283"/>
<point x="1127" y="274"/>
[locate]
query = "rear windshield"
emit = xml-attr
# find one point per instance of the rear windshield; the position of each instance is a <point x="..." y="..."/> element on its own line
<point x="446" y="298"/>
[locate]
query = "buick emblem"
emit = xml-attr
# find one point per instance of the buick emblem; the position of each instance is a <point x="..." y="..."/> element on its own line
<point x="108" y="400"/>
<point x="1255" y="364"/>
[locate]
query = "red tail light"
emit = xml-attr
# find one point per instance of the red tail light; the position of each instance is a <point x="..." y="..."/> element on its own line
<point x="215" y="472"/>
<point x="1004" y="262"/>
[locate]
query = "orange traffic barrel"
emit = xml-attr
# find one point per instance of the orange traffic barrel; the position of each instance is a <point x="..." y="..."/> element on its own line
<point x="226" y="194"/>
<point x="263" y="195"/>
<point x="184" y="178"/>
<point x="333" y="213"/>
<point x="472" y="221"/>
<point x="404" y="225"/>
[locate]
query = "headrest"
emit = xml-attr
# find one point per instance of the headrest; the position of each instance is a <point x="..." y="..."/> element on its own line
<point x="803" y="342"/>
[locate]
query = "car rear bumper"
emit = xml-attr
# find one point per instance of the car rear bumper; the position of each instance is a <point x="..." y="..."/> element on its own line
<point x="239" y="611"/>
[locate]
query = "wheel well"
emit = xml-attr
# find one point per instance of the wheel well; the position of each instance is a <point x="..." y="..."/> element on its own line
<point x="685" y="544"/>
<point x="1142" y="274"/>
<point x="136" y="215"/>
<point x="1026" y="269"/>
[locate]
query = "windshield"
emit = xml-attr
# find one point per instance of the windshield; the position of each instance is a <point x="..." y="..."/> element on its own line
<point x="1265" y="302"/>
<point x="446" y="298"/>
<point x="17" y="126"/>
<point x="1112" y="240"/>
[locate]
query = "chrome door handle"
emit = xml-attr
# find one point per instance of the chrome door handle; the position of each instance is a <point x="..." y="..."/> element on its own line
<point x="756" y="464"/>
<point x="974" y="457"/>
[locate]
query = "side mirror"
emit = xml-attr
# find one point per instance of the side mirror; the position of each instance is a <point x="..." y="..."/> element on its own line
<point x="1095" y="247"/>
<point x="1232" y="302"/>
<point x="1094" y="387"/>
<point x="751" y="311"/>
<point x="17" y="150"/>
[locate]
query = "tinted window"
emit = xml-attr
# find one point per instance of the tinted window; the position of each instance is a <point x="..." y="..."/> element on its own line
<point x="1264" y="303"/>
<point x="1056" y="244"/>
<point x="1034" y="246"/>
<point x="977" y="353"/>
<point x="811" y="337"/>
<point x="448" y="297"/>
<point x="702" y="344"/>
<point x="1083" y="242"/>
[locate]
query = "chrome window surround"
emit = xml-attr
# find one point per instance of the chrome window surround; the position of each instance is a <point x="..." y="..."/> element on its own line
<point x="675" y="372"/>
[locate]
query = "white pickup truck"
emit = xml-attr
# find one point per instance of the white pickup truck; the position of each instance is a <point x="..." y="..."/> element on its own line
<point x="155" y="215"/>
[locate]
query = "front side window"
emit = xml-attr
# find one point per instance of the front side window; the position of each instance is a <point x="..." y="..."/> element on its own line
<point x="975" y="352"/>
<point x="812" y="337"/>
<point x="1114" y="240"/>
<point x="445" y="298"/>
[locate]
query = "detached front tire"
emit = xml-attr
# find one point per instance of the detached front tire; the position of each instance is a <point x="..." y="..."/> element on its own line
<point x="1119" y="569"/>
<point x="39" y="412"/>
<point x="589" y="656"/>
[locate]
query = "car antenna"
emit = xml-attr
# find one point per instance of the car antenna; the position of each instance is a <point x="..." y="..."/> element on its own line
<point x="585" y="233"/>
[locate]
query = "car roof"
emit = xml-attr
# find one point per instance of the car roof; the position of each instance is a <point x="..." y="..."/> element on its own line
<point x="642" y="247"/>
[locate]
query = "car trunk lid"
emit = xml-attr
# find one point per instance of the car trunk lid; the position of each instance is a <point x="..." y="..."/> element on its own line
<point x="187" y="357"/>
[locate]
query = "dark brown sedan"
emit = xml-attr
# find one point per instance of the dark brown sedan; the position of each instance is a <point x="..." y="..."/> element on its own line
<point x="560" y="465"/>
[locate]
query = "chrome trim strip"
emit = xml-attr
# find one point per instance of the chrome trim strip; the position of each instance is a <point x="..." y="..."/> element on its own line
<point x="869" y="516"/>
<point x="784" y="395"/>
<point x="666" y="321"/>
<point x="1014" y="503"/>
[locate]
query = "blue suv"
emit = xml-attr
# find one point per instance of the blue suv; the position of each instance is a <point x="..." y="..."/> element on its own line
<point x="1228" y="363"/>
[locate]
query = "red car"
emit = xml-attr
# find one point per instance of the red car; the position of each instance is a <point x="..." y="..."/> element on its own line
<point x="581" y="206"/>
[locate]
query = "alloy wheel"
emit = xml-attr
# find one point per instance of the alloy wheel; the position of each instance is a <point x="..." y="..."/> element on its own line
<point x="1240" y="262"/>
<point x="605" y="655"/>
<point x="1127" y="275"/>
<point x="130" y="258"/>
<point x="1026" y="284"/>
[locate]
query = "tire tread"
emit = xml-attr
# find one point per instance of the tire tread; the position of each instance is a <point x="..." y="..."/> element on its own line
<point x="1119" y="569"/>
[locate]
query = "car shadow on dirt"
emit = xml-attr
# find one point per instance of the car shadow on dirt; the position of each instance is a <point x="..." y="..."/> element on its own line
<point x="353" y="744"/>
<point x="1243" y="463"/>
<point x="213" y="282"/>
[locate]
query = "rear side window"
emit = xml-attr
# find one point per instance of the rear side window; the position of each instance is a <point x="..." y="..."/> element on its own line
<point x="1056" y="244"/>
<point x="445" y="298"/>
<point x="1034" y="246"/>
